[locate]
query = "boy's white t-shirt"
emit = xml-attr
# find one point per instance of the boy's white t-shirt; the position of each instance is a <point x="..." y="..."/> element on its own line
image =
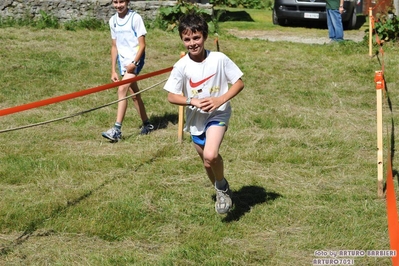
<point x="209" y="78"/>
<point x="126" y="31"/>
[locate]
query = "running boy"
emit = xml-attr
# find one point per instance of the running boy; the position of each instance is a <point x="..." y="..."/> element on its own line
<point x="199" y="80"/>
<point x="128" y="50"/>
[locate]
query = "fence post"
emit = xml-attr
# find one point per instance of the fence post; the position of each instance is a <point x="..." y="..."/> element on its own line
<point x="380" y="85"/>
<point x="181" y="116"/>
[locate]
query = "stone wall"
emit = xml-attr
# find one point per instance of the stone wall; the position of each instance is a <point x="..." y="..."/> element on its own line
<point x="66" y="10"/>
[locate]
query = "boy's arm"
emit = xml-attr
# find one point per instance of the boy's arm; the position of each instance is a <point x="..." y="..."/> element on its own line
<point x="235" y="89"/>
<point x="212" y="103"/>
<point x="130" y="68"/>
<point x="177" y="99"/>
<point x="114" y="54"/>
<point x="141" y="50"/>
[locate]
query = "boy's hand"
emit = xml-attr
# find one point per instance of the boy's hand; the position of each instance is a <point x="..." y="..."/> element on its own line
<point x="130" y="68"/>
<point x="114" y="77"/>
<point x="209" y="104"/>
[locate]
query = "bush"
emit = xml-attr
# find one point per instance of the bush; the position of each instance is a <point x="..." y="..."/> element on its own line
<point x="387" y="27"/>
<point x="168" y="17"/>
<point x="254" y="4"/>
<point x="46" y="21"/>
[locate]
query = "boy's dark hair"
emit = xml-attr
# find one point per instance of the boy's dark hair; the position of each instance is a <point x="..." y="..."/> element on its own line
<point x="193" y="22"/>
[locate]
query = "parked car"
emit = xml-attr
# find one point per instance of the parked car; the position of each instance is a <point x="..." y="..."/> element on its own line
<point x="287" y="11"/>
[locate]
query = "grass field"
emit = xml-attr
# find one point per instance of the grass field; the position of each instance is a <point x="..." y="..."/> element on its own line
<point x="300" y="156"/>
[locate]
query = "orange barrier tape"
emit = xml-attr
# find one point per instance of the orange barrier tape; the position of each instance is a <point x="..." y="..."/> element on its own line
<point x="392" y="212"/>
<point x="65" y="97"/>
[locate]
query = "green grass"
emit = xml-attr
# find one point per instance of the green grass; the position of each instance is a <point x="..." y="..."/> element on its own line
<point x="300" y="156"/>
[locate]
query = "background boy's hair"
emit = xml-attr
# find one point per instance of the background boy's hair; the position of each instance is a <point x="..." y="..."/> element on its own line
<point x="193" y="22"/>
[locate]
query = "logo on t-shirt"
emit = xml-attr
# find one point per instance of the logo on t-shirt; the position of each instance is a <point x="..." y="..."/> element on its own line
<point x="196" y="84"/>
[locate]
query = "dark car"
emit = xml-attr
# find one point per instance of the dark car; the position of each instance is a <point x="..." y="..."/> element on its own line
<point x="287" y="11"/>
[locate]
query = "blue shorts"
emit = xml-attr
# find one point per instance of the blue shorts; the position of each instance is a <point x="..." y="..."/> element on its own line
<point x="136" y="70"/>
<point x="201" y="139"/>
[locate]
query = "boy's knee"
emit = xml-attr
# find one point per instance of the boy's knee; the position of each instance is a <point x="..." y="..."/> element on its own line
<point x="211" y="158"/>
<point x="123" y="89"/>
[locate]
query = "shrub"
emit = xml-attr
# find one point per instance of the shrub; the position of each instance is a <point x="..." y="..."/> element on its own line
<point x="46" y="21"/>
<point x="168" y="17"/>
<point x="255" y="4"/>
<point x="387" y="27"/>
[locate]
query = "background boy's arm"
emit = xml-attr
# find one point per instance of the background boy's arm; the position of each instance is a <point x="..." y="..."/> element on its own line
<point x="114" y="54"/>
<point x="141" y="50"/>
<point x="130" y="68"/>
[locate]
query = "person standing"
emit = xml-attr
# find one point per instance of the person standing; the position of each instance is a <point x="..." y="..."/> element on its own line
<point x="200" y="81"/>
<point x="128" y="51"/>
<point x="334" y="9"/>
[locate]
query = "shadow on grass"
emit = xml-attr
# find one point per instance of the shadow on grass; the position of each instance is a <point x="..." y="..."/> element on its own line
<point x="225" y="15"/>
<point x="35" y="223"/>
<point x="161" y="122"/>
<point x="246" y="198"/>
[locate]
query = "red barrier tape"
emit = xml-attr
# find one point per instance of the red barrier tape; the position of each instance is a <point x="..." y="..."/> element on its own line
<point x="392" y="212"/>
<point x="65" y="97"/>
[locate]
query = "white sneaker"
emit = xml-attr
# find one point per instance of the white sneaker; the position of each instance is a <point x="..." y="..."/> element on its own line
<point x="223" y="200"/>
<point x="113" y="134"/>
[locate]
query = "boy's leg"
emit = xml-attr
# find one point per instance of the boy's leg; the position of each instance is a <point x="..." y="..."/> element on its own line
<point x="122" y="105"/>
<point x="114" y="134"/>
<point x="138" y="102"/>
<point x="139" y="105"/>
<point x="213" y="160"/>
<point x="208" y="169"/>
<point x="211" y="156"/>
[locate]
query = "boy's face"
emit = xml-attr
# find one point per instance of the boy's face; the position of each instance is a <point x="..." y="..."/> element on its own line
<point x="194" y="43"/>
<point x="121" y="6"/>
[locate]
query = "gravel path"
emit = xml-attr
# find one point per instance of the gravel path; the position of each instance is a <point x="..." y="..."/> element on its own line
<point x="276" y="35"/>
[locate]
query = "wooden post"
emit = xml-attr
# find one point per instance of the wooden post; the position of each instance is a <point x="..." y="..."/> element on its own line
<point x="180" y="125"/>
<point x="380" y="85"/>
<point x="181" y="116"/>
<point x="371" y="25"/>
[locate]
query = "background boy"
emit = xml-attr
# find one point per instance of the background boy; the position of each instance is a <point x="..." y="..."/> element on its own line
<point x="128" y="50"/>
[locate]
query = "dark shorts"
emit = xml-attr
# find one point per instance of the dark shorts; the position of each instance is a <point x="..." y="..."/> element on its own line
<point x="201" y="139"/>
<point x="137" y="69"/>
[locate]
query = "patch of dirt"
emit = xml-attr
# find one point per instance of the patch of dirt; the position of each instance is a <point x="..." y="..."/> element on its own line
<point x="276" y="35"/>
